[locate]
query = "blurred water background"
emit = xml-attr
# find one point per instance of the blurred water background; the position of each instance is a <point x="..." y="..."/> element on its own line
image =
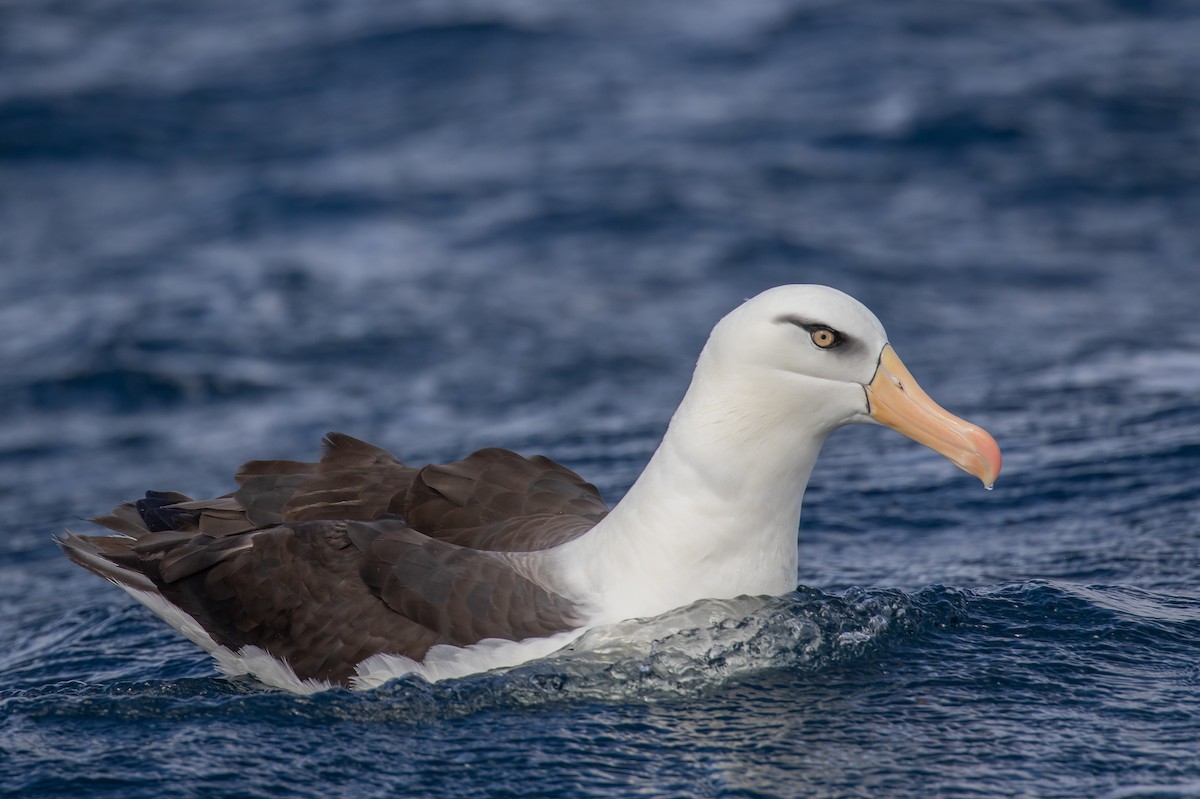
<point x="227" y="227"/>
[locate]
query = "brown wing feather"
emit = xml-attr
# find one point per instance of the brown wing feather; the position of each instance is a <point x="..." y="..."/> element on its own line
<point x="497" y="500"/>
<point x="465" y="594"/>
<point x="325" y="564"/>
<point x="354" y="480"/>
<point x="494" y="499"/>
<point x="324" y="596"/>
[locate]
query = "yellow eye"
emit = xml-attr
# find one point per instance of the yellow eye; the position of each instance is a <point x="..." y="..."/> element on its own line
<point x="824" y="338"/>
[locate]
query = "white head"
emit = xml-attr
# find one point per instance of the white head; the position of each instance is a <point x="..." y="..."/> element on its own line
<point x="812" y="357"/>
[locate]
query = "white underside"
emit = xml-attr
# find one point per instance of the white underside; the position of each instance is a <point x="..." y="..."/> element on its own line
<point x="441" y="662"/>
<point x="252" y="660"/>
<point x="445" y="662"/>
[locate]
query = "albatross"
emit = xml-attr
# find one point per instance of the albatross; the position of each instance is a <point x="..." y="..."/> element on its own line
<point x="358" y="569"/>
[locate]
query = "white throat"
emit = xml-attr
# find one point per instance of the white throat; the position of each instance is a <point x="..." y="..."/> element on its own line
<point x="716" y="512"/>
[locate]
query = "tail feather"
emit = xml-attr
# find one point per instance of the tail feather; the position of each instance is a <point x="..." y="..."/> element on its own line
<point x="123" y="520"/>
<point x="158" y="510"/>
<point x="107" y="557"/>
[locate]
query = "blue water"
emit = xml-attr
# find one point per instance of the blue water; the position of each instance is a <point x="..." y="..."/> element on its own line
<point x="227" y="227"/>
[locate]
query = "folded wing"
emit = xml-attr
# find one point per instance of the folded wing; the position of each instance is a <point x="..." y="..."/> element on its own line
<point x="324" y="564"/>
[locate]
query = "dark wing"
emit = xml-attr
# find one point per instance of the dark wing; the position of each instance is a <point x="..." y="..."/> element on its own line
<point x="322" y="565"/>
<point x="323" y="596"/>
<point x="294" y="591"/>
<point x="464" y="594"/>
<point x="497" y="500"/>
<point x="493" y="500"/>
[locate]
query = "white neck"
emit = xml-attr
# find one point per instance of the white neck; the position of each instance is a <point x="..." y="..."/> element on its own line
<point x="716" y="511"/>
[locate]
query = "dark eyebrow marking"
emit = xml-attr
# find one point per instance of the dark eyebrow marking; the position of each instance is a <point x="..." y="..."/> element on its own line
<point x="839" y="338"/>
<point x="800" y="321"/>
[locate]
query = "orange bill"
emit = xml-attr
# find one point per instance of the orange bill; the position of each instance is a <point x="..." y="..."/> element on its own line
<point x="895" y="400"/>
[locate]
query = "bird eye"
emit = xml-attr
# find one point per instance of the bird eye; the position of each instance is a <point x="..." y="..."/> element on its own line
<point x="824" y="338"/>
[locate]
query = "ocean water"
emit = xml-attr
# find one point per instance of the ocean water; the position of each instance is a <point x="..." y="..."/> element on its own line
<point x="227" y="227"/>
